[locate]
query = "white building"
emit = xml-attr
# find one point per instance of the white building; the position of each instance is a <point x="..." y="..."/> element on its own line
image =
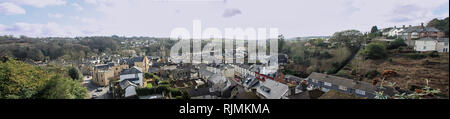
<point x="430" y="44"/>
<point x="395" y="32"/>
<point x="270" y="89"/>
<point x="130" y="80"/>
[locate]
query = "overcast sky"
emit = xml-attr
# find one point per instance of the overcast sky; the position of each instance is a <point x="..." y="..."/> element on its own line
<point x="41" y="18"/>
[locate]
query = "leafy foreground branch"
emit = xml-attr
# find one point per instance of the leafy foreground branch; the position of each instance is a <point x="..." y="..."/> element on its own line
<point x="19" y="80"/>
<point x="425" y="92"/>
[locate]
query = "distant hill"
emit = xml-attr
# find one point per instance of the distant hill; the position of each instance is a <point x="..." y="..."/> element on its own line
<point x="309" y="37"/>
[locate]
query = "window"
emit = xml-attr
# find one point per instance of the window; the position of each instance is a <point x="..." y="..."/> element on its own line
<point x="360" y="92"/>
<point x="314" y="80"/>
<point x="327" y="84"/>
<point x="424" y="47"/>
<point x="343" y="88"/>
<point x="445" y="44"/>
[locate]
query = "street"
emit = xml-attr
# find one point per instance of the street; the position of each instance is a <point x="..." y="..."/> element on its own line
<point x="92" y="88"/>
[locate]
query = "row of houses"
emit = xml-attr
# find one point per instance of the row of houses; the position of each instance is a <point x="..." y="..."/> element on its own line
<point x="103" y="73"/>
<point x="421" y="38"/>
<point x="413" y="32"/>
<point x="325" y="83"/>
<point x="125" y="75"/>
<point x="279" y="86"/>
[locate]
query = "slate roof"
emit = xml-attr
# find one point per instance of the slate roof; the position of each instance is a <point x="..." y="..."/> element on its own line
<point x="102" y="67"/>
<point x="271" y="89"/>
<point x="129" y="82"/>
<point x="205" y="73"/>
<point x="293" y="78"/>
<point x="201" y="92"/>
<point x="434" y="39"/>
<point x="427" y="39"/>
<point x="137" y="59"/>
<point x="153" y="69"/>
<point x="131" y="61"/>
<point x="133" y="70"/>
<point x="157" y="64"/>
<point x="349" y="83"/>
<point x="419" y="29"/>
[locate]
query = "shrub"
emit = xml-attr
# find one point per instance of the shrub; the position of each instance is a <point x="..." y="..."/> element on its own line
<point x="433" y="54"/>
<point x="375" y="51"/>
<point x="325" y="55"/>
<point x="390" y="60"/>
<point x="164" y="83"/>
<point x="396" y="44"/>
<point x="148" y="75"/>
<point x="415" y="56"/>
<point x="331" y="71"/>
<point x="372" y="74"/>
<point x="75" y="73"/>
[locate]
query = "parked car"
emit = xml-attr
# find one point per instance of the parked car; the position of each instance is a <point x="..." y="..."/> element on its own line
<point x="99" y="90"/>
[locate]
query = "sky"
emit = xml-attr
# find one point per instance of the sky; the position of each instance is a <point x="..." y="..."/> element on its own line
<point x="157" y="18"/>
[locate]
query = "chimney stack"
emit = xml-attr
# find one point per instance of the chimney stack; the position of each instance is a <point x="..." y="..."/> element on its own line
<point x="421" y="25"/>
<point x="403" y="26"/>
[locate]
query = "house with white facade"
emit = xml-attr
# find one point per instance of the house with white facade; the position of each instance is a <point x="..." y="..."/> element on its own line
<point x="431" y="44"/>
<point x="130" y="80"/>
<point x="395" y="32"/>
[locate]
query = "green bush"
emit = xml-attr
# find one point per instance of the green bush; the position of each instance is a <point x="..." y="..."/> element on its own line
<point x="75" y="73"/>
<point x="148" y="75"/>
<point x="164" y="83"/>
<point x="325" y="55"/>
<point x="331" y="70"/>
<point x="375" y="51"/>
<point x="415" y="56"/>
<point x="433" y="54"/>
<point x="372" y="74"/>
<point x="396" y="44"/>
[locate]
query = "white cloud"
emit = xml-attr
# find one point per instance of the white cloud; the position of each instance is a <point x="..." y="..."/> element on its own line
<point x="97" y="2"/>
<point x="40" y="3"/>
<point x="292" y="17"/>
<point x="11" y="9"/>
<point x="83" y="19"/>
<point x="47" y="30"/>
<point x="55" y="15"/>
<point x="77" y="7"/>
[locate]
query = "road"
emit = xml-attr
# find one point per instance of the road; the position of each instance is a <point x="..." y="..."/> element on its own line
<point x="92" y="88"/>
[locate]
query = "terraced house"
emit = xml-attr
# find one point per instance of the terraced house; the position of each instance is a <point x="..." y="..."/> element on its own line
<point x="141" y="62"/>
<point x="326" y="83"/>
<point x="415" y="32"/>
